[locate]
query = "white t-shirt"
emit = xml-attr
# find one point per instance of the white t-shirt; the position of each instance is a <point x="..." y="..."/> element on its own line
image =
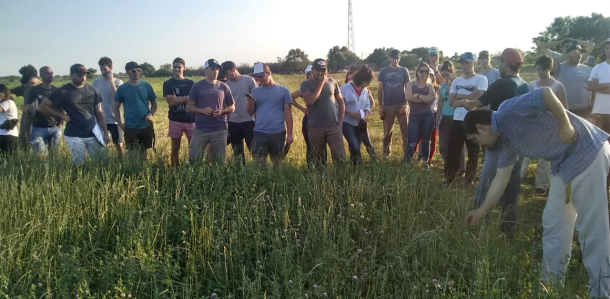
<point x="10" y="112"/>
<point x="601" y="72"/>
<point x="465" y="87"/>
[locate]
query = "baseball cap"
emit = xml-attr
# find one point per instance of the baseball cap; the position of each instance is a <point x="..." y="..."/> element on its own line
<point x="394" y="53"/>
<point x="512" y="57"/>
<point x="319" y="64"/>
<point x="132" y="65"/>
<point x="78" y="69"/>
<point x="210" y="63"/>
<point x="433" y="51"/>
<point x="467" y="57"/>
<point x="484" y="53"/>
<point x="308" y="69"/>
<point x="259" y="68"/>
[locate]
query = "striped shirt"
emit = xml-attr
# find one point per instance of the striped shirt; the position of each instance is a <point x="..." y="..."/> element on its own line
<point x="526" y="127"/>
<point x="135" y="103"/>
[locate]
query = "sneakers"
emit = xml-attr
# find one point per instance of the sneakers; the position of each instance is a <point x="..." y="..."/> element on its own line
<point x="541" y="192"/>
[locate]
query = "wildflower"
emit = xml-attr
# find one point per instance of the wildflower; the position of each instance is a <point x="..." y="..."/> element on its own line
<point x="290" y="281"/>
<point x="35" y="257"/>
<point x="354" y="277"/>
<point x="40" y="285"/>
<point x="359" y="250"/>
<point x="213" y="295"/>
<point x="184" y="206"/>
<point x="361" y="216"/>
<point x="324" y="294"/>
<point x="306" y="295"/>
<point x="421" y="212"/>
<point x="123" y="295"/>
<point x="128" y="295"/>
<point x="77" y="295"/>
<point x="156" y="191"/>
<point x="315" y="286"/>
<point x="352" y="205"/>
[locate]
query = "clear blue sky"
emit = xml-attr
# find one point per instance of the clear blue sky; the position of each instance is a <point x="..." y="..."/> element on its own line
<point x="60" y="33"/>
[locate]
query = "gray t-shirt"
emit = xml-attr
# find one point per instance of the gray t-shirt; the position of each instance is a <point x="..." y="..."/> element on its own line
<point x="394" y="84"/>
<point x="324" y="112"/>
<point x="492" y="75"/>
<point x="269" y="105"/>
<point x="103" y="86"/>
<point x="574" y="78"/>
<point x="239" y="89"/>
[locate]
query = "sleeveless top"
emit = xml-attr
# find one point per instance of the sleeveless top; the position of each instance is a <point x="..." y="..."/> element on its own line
<point x="420" y="108"/>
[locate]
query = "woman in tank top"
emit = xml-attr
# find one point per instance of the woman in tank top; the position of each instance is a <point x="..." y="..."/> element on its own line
<point x="420" y="94"/>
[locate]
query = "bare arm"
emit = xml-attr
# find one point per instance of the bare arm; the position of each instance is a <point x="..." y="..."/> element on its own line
<point x="192" y="108"/>
<point x="101" y="119"/>
<point x="153" y="107"/>
<point x="116" y="108"/>
<point x="473" y="96"/>
<point x="594" y="86"/>
<point x="409" y="96"/>
<point x="495" y="192"/>
<point x="554" y="106"/>
<point x="311" y="97"/>
<point x="588" y="46"/>
<point x="380" y="93"/>
<point x="561" y="94"/>
<point x="46" y="108"/>
<point x="251" y="108"/>
<point x="228" y="110"/>
<point x="173" y="100"/>
<point x="341" y="103"/>
<point x="544" y="48"/>
<point x="371" y="100"/>
<point x="288" y="118"/>
<point x="453" y="98"/>
<point x="429" y="98"/>
<point x="295" y="95"/>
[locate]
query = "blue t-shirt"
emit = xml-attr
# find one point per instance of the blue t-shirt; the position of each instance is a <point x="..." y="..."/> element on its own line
<point x="446" y="109"/>
<point x="79" y="104"/>
<point x="216" y="96"/>
<point x="135" y="103"/>
<point x="269" y="105"/>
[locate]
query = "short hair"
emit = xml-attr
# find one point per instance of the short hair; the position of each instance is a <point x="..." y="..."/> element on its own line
<point x="27" y="78"/>
<point x="567" y="40"/>
<point x="476" y="117"/>
<point x="352" y="70"/>
<point x="4" y="89"/>
<point x="448" y="67"/>
<point x="545" y="62"/>
<point x="105" y="61"/>
<point x="180" y="60"/>
<point x="364" y="74"/>
<point x="44" y="68"/>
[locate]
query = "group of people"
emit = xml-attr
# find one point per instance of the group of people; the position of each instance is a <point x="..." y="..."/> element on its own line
<point x="555" y="119"/>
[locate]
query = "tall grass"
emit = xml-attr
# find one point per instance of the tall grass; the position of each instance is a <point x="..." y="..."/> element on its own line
<point x="147" y="230"/>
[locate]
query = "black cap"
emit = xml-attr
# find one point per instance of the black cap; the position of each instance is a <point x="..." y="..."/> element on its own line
<point x="132" y="65"/>
<point x="484" y="53"/>
<point x="227" y="65"/>
<point x="394" y="53"/>
<point x="212" y="62"/>
<point x="319" y="64"/>
<point x="78" y="69"/>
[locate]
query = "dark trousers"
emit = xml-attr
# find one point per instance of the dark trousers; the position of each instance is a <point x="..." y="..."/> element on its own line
<point x="309" y="151"/>
<point x="8" y="144"/>
<point x="457" y="137"/>
<point x="238" y="132"/>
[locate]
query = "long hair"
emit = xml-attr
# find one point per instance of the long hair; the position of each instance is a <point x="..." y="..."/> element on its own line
<point x="419" y="66"/>
<point x="352" y="70"/>
<point x="6" y="91"/>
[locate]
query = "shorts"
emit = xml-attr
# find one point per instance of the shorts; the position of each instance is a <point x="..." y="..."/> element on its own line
<point x="268" y="144"/>
<point x="176" y="129"/>
<point x="141" y="139"/>
<point x="115" y="132"/>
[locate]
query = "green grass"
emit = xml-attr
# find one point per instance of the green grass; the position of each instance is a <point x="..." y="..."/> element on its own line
<point x="152" y="231"/>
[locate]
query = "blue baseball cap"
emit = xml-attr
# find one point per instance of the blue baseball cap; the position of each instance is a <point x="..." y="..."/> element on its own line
<point x="468" y="56"/>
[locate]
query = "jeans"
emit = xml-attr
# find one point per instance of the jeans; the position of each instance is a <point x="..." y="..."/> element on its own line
<point x="45" y="137"/>
<point x="363" y="131"/>
<point x="79" y="145"/>
<point x="420" y="126"/>
<point x="457" y="138"/>
<point x="238" y="133"/>
<point x="509" y="198"/>
<point x="353" y="142"/>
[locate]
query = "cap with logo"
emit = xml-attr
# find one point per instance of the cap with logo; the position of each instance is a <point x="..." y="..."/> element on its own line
<point x="78" y="69"/>
<point x="308" y="69"/>
<point x="433" y="51"/>
<point x="259" y="68"/>
<point x="319" y="64"/>
<point x="468" y="56"/>
<point x="512" y="57"/>
<point x="395" y="53"/>
<point x="484" y="53"/>
<point x="212" y="63"/>
<point x="131" y="66"/>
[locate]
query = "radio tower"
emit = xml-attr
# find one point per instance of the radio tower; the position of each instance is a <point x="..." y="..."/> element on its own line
<point x="351" y="44"/>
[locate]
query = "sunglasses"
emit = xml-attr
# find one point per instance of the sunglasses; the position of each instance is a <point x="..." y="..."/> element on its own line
<point x="135" y="71"/>
<point x="259" y="75"/>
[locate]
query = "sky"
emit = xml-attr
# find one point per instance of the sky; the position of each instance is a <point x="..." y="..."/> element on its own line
<point x="63" y="32"/>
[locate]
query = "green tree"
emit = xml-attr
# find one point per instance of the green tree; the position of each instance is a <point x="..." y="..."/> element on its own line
<point x="166" y="66"/>
<point x="339" y="58"/>
<point x="594" y="28"/>
<point x="92" y="71"/>
<point x="162" y="72"/>
<point x="409" y="60"/>
<point x="295" y="61"/>
<point x="379" y="56"/>
<point x="148" y="70"/>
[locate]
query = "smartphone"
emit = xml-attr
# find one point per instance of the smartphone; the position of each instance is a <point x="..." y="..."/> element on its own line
<point x="249" y="95"/>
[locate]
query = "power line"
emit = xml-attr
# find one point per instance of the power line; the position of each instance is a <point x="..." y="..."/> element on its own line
<point x="351" y="43"/>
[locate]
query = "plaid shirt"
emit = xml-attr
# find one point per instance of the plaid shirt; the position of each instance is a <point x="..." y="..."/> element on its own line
<point x="526" y="127"/>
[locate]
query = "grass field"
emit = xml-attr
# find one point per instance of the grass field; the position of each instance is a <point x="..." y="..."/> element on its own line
<point x="152" y="231"/>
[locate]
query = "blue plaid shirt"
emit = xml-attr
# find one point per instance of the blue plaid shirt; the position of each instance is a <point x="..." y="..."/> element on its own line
<point x="526" y="127"/>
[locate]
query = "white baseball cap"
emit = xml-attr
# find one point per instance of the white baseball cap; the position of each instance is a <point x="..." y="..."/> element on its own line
<point x="308" y="69"/>
<point x="259" y="68"/>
